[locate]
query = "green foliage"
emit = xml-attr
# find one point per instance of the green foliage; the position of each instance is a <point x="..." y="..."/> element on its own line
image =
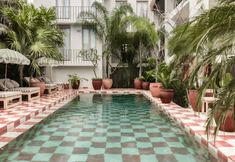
<point x="108" y="28"/>
<point x="92" y="56"/>
<point x="73" y="79"/>
<point x="164" y="76"/>
<point x="33" y="32"/>
<point x="209" y="40"/>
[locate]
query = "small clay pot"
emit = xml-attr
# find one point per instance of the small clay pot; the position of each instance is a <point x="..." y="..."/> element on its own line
<point x="229" y="123"/>
<point x="166" y="95"/>
<point x="76" y="86"/>
<point x="97" y="84"/>
<point x="155" y="89"/>
<point x="145" y="85"/>
<point x="41" y="85"/>
<point x="138" y="84"/>
<point x="107" y="83"/>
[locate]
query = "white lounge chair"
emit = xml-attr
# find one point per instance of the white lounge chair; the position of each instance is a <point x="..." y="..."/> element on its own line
<point x="27" y="92"/>
<point x="10" y="99"/>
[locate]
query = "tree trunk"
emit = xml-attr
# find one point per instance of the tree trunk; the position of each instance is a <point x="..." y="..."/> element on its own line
<point x="140" y="64"/>
<point x="21" y="72"/>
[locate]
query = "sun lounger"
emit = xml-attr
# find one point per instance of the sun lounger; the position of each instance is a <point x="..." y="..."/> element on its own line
<point x="48" y="81"/>
<point x="49" y="88"/>
<point x="28" y="93"/>
<point x="10" y="99"/>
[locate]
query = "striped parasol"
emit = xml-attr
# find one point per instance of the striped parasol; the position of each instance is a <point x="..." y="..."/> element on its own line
<point x="8" y="56"/>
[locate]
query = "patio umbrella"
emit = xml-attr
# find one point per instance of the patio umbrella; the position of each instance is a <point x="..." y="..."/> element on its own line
<point x="8" y="56"/>
<point x="47" y="62"/>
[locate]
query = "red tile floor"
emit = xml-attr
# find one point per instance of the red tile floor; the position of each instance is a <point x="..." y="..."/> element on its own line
<point x="17" y="120"/>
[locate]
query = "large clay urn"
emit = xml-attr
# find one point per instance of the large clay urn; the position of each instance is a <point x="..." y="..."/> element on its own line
<point x="145" y="85"/>
<point x="107" y="83"/>
<point x="229" y="123"/>
<point x="155" y="89"/>
<point x="41" y="85"/>
<point x="97" y="84"/>
<point x="166" y="95"/>
<point x="137" y="84"/>
<point x="192" y="97"/>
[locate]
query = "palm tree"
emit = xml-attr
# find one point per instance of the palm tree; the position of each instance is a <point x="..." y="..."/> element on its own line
<point x="209" y="39"/>
<point x="33" y="32"/>
<point x="145" y="37"/>
<point x="108" y="28"/>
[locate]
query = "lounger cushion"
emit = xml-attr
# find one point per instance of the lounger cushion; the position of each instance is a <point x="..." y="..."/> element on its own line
<point x="51" y="86"/>
<point x="16" y="85"/>
<point x="8" y="84"/>
<point x="3" y="87"/>
<point x="9" y="94"/>
<point x="26" y="89"/>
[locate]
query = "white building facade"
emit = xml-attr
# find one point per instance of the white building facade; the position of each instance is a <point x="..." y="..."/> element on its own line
<point x="171" y="13"/>
<point x="78" y="36"/>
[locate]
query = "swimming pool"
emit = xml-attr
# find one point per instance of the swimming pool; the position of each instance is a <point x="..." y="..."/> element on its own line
<point x="110" y="128"/>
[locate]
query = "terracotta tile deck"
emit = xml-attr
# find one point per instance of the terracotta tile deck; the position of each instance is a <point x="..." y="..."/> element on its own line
<point x="17" y="120"/>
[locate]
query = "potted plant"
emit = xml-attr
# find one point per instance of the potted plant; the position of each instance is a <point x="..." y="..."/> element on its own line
<point x="223" y="109"/>
<point x="92" y="56"/>
<point x="107" y="83"/>
<point x="148" y="78"/>
<point x="165" y="77"/>
<point x="74" y="80"/>
<point x="38" y="83"/>
<point x="138" y="82"/>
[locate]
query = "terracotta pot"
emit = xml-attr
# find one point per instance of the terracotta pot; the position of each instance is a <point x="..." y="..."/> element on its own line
<point x="192" y="97"/>
<point x="76" y="86"/>
<point x="209" y="93"/>
<point x="41" y="85"/>
<point x="107" y="83"/>
<point x="166" y="95"/>
<point x="138" y="84"/>
<point x="97" y="84"/>
<point x="229" y="123"/>
<point x="145" y="85"/>
<point x="155" y="89"/>
<point x="66" y="86"/>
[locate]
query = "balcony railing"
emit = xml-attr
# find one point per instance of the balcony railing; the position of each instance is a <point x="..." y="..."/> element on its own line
<point x="73" y="14"/>
<point x="72" y="57"/>
<point x="142" y="13"/>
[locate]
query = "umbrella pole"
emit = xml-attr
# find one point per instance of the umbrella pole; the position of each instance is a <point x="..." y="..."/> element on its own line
<point x="5" y="74"/>
<point x="51" y="74"/>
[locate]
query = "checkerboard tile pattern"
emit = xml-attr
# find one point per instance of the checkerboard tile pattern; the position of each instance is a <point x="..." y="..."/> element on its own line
<point x="224" y="146"/>
<point x="15" y="121"/>
<point x="22" y="118"/>
<point x="106" y="132"/>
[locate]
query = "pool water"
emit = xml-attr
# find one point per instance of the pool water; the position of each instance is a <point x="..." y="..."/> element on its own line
<point x="106" y="128"/>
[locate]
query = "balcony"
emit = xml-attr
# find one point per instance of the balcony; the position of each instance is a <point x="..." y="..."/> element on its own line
<point x="72" y="14"/>
<point x="72" y="57"/>
<point x="142" y="13"/>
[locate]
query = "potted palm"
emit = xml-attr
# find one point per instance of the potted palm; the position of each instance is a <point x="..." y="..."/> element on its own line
<point x="92" y="56"/>
<point x="165" y="77"/>
<point x="74" y="80"/>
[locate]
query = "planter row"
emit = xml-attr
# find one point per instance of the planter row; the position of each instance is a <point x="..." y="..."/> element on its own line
<point x="166" y="96"/>
<point x="97" y="84"/>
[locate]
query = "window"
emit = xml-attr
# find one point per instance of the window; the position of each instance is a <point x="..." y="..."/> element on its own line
<point x="88" y="38"/>
<point x="63" y="9"/>
<point x="120" y="2"/>
<point x="66" y="48"/>
<point x="142" y="8"/>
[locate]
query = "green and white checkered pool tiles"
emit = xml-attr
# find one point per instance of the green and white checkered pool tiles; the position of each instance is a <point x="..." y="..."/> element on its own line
<point x="123" y="128"/>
